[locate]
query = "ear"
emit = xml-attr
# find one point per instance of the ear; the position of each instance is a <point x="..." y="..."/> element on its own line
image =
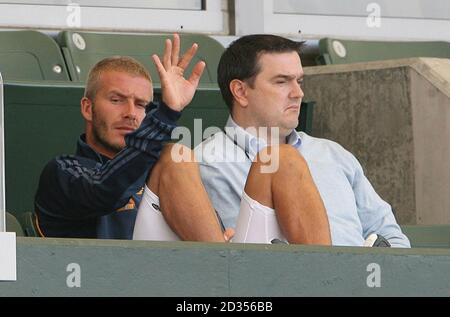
<point x="86" y="108"/>
<point x="238" y="89"/>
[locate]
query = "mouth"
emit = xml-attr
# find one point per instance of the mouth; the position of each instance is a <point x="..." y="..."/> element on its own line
<point x="126" y="129"/>
<point x="293" y="108"/>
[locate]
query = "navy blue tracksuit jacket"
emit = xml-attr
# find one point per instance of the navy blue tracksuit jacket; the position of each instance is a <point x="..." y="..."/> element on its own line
<point x="87" y="195"/>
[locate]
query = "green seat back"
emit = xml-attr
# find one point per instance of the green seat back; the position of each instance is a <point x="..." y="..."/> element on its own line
<point x="28" y="221"/>
<point x="306" y="116"/>
<point x="82" y="50"/>
<point x="12" y="225"/>
<point x="209" y="106"/>
<point x="207" y="109"/>
<point x="41" y="121"/>
<point x="30" y="55"/>
<point x="44" y="120"/>
<point x="428" y="236"/>
<point x="337" y="51"/>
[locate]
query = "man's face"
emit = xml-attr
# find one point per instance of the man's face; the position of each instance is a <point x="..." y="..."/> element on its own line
<point x="274" y="100"/>
<point x="118" y="109"/>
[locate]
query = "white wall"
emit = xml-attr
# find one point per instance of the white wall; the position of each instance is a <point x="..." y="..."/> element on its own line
<point x="41" y="14"/>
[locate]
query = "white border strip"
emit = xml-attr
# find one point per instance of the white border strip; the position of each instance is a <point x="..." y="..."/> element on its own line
<point x="257" y="16"/>
<point x="114" y="19"/>
<point x="2" y="160"/>
<point x="8" y="256"/>
<point x="356" y="27"/>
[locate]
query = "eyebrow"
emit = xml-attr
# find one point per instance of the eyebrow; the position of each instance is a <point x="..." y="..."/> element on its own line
<point x="121" y="95"/>
<point x="287" y="77"/>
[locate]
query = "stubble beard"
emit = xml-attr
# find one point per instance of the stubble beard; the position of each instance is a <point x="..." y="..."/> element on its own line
<point x="100" y="135"/>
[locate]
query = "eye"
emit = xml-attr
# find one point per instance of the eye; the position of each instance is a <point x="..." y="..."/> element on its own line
<point x="142" y="105"/>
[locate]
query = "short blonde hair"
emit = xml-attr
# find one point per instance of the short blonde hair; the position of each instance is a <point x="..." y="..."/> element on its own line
<point x="114" y="63"/>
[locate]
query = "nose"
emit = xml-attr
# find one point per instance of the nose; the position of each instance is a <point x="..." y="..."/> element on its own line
<point x="129" y="110"/>
<point x="297" y="91"/>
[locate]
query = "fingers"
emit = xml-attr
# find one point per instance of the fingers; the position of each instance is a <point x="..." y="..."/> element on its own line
<point x="228" y="234"/>
<point x="167" y="58"/>
<point x="187" y="57"/>
<point x="175" y="49"/>
<point x="159" y="65"/>
<point x="172" y="64"/>
<point x="197" y="73"/>
<point x="172" y="52"/>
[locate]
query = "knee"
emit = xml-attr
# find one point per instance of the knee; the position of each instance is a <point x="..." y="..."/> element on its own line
<point x="282" y="151"/>
<point x="169" y="165"/>
<point x="283" y="156"/>
<point x="173" y="153"/>
<point x="288" y="153"/>
<point x="176" y="160"/>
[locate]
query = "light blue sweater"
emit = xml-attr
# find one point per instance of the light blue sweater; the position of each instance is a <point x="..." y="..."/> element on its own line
<point x="353" y="207"/>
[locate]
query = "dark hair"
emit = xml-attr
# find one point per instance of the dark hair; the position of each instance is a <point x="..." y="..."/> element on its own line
<point x="240" y="59"/>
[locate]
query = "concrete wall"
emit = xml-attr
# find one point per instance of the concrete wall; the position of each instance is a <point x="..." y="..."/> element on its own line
<point x="140" y="268"/>
<point x="430" y="95"/>
<point x="395" y="117"/>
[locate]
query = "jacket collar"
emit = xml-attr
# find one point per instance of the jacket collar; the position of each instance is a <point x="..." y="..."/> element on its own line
<point x="83" y="149"/>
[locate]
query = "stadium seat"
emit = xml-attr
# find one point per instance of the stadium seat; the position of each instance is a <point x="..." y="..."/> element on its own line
<point x="28" y="221"/>
<point x="306" y="116"/>
<point x="209" y="106"/>
<point x="43" y="120"/>
<point x="12" y="225"/>
<point x="428" y="236"/>
<point x="337" y="51"/>
<point x="31" y="55"/>
<point x="82" y="50"/>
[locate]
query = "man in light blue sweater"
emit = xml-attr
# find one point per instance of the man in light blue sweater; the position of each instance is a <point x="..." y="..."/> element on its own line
<point x="268" y="191"/>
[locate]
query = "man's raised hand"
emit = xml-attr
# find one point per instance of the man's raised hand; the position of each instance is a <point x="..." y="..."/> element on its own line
<point x="177" y="92"/>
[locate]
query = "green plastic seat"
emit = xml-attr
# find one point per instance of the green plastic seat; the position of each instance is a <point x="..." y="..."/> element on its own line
<point x="43" y="120"/>
<point x="82" y="50"/>
<point x="337" y="51"/>
<point x="209" y="106"/>
<point x="31" y="55"/>
<point x="13" y="225"/>
<point x="28" y="221"/>
<point x="428" y="236"/>
<point x="306" y="116"/>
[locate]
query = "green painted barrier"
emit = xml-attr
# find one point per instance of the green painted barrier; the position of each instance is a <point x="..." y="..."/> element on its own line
<point x="56" y="267"/>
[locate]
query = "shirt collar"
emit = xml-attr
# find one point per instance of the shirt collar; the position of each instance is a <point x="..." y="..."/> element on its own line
<point x="83" y="149"/>
<point x="252" y="144"/>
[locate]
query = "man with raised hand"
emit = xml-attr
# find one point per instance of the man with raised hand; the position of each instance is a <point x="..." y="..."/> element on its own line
<point x="95" y="193"/>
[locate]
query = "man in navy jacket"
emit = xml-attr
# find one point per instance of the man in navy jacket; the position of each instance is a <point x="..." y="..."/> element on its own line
<point x="95" y="193"/>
